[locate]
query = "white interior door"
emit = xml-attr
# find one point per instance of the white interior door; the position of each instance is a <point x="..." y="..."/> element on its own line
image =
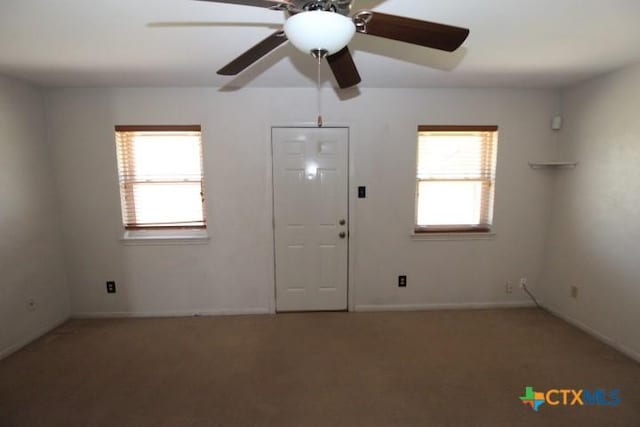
<point x="311" y="208"/>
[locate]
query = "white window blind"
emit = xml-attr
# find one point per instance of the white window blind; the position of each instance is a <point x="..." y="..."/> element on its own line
<point x="455" y="178"/>
<point x="160" y="175"/>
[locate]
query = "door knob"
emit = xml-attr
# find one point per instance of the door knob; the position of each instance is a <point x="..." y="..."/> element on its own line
<point x="342" y="234"/>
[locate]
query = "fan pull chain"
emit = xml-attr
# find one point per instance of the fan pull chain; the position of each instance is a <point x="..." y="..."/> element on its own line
<point x="319" y="93"/>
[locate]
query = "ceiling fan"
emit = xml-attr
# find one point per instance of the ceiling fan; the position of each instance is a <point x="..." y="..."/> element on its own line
<point x="323" y="28"/>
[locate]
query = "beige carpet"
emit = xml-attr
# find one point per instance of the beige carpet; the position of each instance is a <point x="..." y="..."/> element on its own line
<point x="441" y="368"/>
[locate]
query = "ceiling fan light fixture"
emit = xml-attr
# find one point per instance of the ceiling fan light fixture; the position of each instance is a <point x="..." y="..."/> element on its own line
<point x="317" y="30"/>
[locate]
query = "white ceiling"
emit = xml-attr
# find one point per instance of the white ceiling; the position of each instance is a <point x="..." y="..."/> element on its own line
<point x="513" y="43"/>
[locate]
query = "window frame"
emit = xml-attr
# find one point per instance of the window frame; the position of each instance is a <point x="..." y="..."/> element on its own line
<point x="453" y="229"/>
<point x="144" y="232"/>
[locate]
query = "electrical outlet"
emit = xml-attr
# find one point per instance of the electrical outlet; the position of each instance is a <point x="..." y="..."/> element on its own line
<point x="523" y="282"/>
<point x="31" y="304"/>
<point x="111" y="287"/>
<point x="509" y="287"/>
<point x="574" y="292"/>
<point x="402" y="281"/>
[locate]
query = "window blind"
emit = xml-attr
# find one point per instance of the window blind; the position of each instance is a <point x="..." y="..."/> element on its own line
<point x="160" y="176"/>
<point x="455" y="178"/>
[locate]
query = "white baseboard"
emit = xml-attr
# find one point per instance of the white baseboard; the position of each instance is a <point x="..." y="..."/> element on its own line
<point x="30" y="338"/>
<point x="180" y="313"/>
<point x="444" y="306"/>
<point x="594" y="333"/>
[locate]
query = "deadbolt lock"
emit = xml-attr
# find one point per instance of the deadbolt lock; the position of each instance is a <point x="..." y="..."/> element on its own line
<point x="342" y="222"/>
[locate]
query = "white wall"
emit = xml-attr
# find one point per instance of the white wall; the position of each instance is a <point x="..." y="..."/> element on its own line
<point x="594" y="237"/>
<point x="31" y="262"/>
<point x="234" y="272"/>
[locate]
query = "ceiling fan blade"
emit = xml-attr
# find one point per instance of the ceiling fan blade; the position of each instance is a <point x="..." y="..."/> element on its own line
<point x="276" y="4"/>
<point x="422" y="33"/>
<point x="344" y="69"/>
<point x="252" y="55"/>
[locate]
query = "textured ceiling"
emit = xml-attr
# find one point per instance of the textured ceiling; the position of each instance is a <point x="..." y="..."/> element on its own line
<point x="513" y="43"/>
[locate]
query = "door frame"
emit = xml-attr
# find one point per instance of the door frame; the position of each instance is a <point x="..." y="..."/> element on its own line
<point x="350" y="206"/>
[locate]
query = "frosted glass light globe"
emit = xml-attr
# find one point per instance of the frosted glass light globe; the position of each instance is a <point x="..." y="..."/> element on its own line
<point x="319" y="30"/>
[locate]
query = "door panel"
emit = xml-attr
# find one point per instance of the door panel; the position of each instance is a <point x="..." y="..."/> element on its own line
<point x="310" y="190"/>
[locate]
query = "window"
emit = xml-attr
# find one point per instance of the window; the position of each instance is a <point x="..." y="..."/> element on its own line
<point x="455" y="178"/>
<point x="160" y="174"/>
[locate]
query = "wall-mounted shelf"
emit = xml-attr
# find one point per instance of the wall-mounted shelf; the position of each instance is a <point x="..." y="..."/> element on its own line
<point x="552" y="165"/>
